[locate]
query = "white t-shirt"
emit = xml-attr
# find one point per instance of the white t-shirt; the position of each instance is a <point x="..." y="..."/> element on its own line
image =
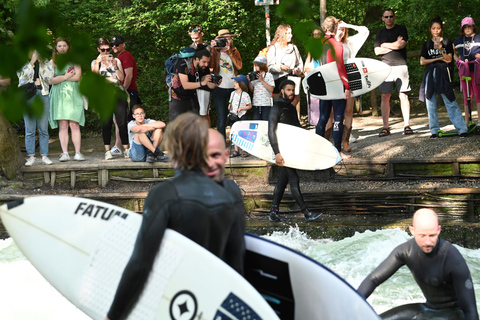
<point x="226" y="71"/>
<point x="239" y="101"/>
<point x="261" y="96"/>
<point x="132" y="124"/>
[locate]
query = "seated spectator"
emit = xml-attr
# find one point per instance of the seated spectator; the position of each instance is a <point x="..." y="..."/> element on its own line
<point x="145" y="136"/>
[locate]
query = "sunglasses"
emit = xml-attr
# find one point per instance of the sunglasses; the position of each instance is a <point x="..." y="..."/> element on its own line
<point x="316" y="34"/>
<point x="105" y="50"/>
<point x="194" y="30"/>
<point x="139" y="114"/>
<point x="388" y="17"/>
<point x="116" y="45"/>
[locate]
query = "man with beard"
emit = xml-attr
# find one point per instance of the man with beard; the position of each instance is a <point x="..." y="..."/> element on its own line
<point x="129" y="65"/>
<point x="439" y="270"/>
<point x="189" y="74"/>
<point x="284" y="112"/>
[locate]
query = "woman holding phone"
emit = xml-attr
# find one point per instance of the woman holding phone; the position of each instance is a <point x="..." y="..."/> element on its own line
<point x="66" y="103"/>
<point x="111" y="69"/>
<point x="437" y="53"/>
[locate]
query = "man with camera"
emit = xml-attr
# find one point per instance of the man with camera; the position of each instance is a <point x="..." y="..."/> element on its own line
<point x="203" y="94"/>
<point x="190" y="74"/>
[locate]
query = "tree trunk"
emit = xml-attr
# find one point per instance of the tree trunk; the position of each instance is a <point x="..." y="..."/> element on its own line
<point x="10" y="156"/>
<point x="323" y="10"/>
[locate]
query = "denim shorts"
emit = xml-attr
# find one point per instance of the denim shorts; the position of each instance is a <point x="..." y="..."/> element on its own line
<point x="138" y="153"/>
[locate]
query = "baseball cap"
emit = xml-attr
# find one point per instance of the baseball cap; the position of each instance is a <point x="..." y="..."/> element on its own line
<point x="260" y="59"/>
<point x="117" y="40"/>
<point x="241" y="78"/>
<point x="468" y="21"/>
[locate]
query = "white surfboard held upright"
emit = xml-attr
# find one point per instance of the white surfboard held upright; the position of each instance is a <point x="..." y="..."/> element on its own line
<point x="363" y="74"/>
<point x="82" y="246"/>
<point x="300" y="148"/>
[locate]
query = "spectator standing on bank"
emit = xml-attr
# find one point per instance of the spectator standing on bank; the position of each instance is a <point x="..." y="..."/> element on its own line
<point x="66" y="103"/>
<point x="225" y="61"/>
<point x="437" y="53"/>
<point x="351" y="46"/>
<point x="262" y="88"/>
<point x="37" y="72"/>
<point x="284" y="61"/>
<point x="390" y="43"/>
<point x="468" y="46"/>
<point x="111" y="68"/>
<point x="334" y="53"/>
<point x="203" y="94"/>
<point x="314" y="103"/>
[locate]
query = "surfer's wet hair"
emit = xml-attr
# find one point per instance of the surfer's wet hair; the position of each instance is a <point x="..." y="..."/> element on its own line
<point x="186" y="140"/>
<point x="285" y="83"/>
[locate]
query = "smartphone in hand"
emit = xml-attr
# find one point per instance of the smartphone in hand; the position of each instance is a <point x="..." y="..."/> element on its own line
<point x="70" y="69"/>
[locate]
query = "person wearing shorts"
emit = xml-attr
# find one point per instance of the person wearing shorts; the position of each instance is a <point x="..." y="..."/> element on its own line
<point x="391" y="43"/>
<point x="203" y="94"/>
<point x="145" y="136"/>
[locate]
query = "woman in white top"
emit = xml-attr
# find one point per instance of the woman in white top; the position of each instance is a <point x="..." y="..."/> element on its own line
<point x="351" y="46"/>
<point x="284" y="60"/>
<point x="111" y="69"/>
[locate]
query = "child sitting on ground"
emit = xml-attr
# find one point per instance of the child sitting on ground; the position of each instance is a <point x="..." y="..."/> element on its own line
<point x="239" y="104"/>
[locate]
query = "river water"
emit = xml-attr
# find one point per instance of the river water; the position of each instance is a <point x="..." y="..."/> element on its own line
<point x="26" y="295"/>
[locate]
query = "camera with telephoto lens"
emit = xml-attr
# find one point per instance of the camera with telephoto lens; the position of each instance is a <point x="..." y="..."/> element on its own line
<point x="221" y="42"/>
<point x="253" y="75"/>
<point x="216" y="78"/>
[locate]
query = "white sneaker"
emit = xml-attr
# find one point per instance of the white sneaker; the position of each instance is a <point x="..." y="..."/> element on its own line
<point x="46" y="161"/>
<point x="352" y="139"/>
<point x="108" y="155"/>
<point x="79" y="157"/>
<point x="64" y="157"/>
<point x="116" y="152"/>
<point x="126" y="153"/>
<point x="30" y="161"/>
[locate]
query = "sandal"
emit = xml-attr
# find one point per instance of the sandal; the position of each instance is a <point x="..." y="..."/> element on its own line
<point x="244" y="154"/>
<point x="407" y="130"/>
<point x="385" y="132"/>
<point x="234" y="154"/>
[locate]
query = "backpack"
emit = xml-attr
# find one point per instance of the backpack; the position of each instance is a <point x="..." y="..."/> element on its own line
<point x="170" y="63"/>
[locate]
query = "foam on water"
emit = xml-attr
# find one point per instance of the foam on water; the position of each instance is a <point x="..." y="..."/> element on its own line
<point x="26" y="295"/>
<point x="355" y="257"/>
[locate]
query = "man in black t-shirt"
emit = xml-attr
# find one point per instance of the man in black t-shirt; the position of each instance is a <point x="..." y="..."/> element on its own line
<point x="390" y="43"/>
<point x="189" y="74"/>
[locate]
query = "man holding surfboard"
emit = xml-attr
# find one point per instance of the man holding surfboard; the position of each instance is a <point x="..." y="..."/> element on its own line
<point x="283" y="111"/>
<point x="390" y="43"/>
<point x="438" y="268"/>
<point x="191" y="204"/>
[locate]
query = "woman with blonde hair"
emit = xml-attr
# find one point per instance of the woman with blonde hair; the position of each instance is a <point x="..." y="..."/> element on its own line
<point x="284" y="61"/>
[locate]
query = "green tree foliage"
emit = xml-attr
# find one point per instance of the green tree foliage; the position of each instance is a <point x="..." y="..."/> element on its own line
<point x="154" y="29"/>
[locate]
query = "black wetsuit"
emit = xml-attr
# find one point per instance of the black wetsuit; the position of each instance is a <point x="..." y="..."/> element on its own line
<point x="209" y="213"/>
<point x="442" y="275"/>
<point x="284" y="112"/>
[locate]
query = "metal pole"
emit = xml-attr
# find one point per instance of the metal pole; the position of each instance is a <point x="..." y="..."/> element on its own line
<point x="267" y="24"/>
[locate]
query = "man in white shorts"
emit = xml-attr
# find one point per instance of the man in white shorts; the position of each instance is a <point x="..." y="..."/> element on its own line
<point x="391" y="43"/>
<point x="203" y="94"/>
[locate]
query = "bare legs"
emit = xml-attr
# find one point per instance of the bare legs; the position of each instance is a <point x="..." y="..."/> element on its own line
<point x="63" y="126"/>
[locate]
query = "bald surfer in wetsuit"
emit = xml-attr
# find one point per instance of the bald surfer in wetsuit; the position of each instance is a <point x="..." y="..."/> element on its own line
<point x="209" y="213"/>
<point x="439" y="270"/>
<point x="284" y="112"/>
